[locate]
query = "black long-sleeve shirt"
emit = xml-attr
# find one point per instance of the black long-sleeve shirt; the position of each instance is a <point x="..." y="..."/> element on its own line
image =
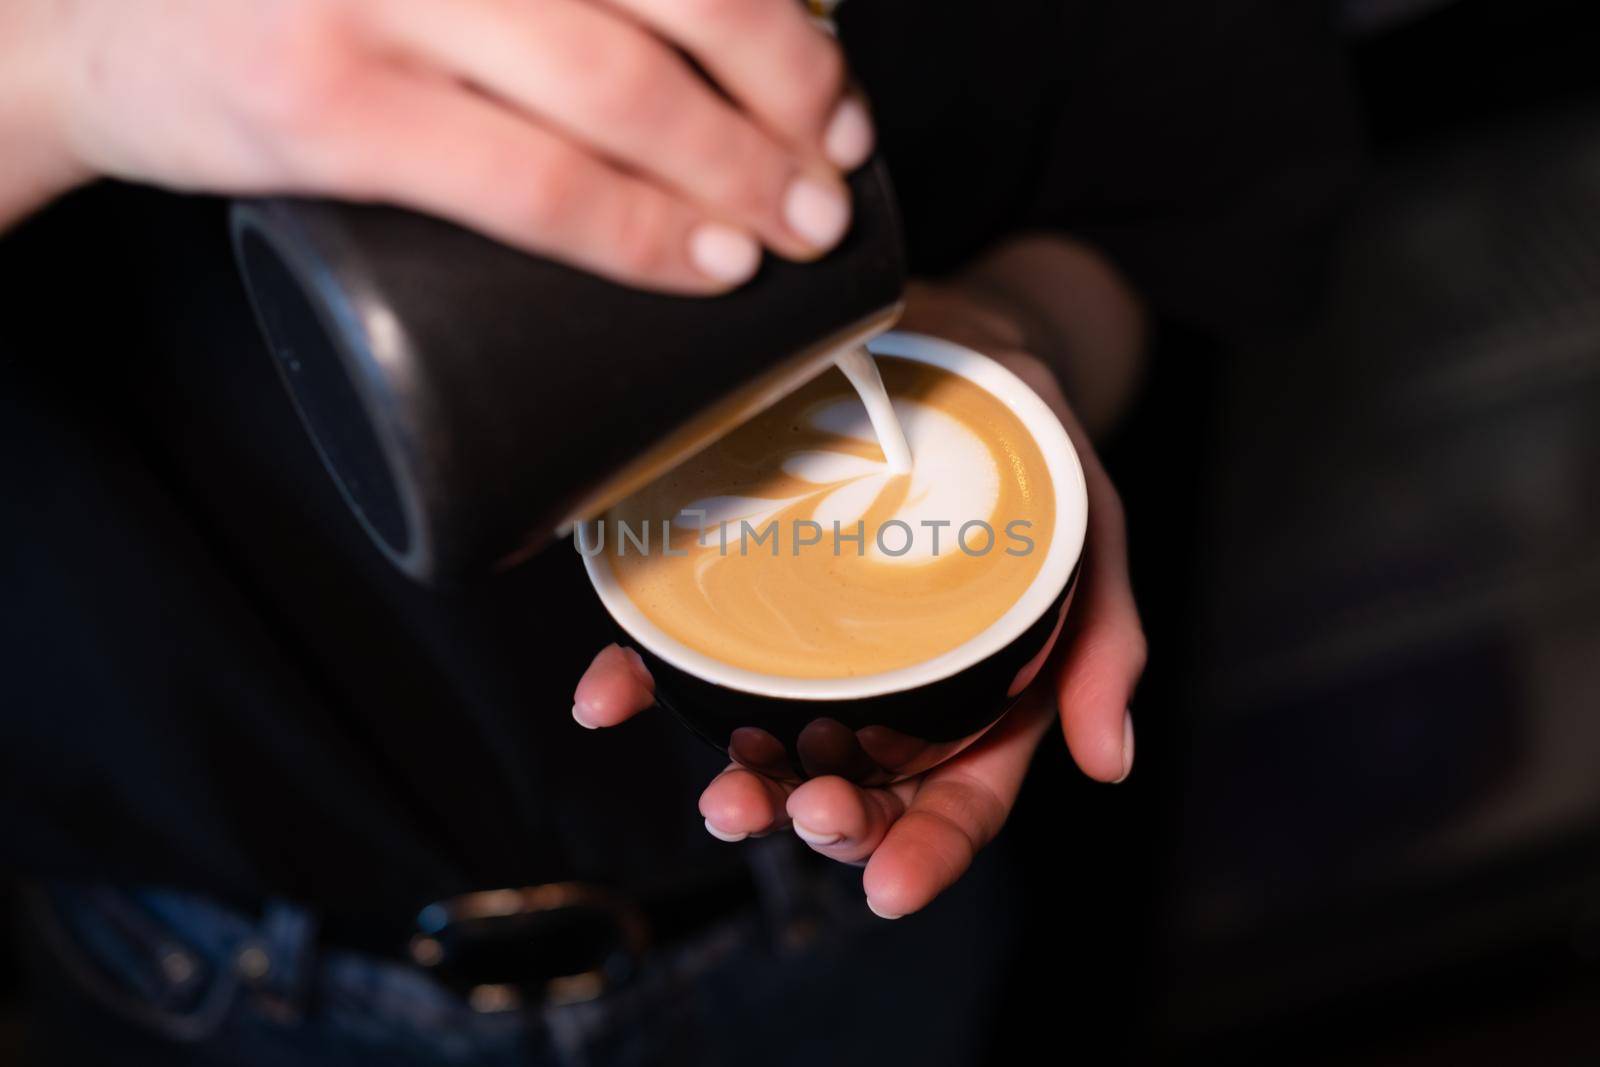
<point x="1200" y="145"/>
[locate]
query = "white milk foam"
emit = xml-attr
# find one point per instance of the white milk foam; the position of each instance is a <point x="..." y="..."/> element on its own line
<point x="954" y="480"/>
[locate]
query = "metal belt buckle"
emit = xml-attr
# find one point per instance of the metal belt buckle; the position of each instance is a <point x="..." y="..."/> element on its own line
<point x="560" y="943"/>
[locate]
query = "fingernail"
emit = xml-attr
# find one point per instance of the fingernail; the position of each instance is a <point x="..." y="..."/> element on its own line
<point x="636" y="661"/>
<point x="816" y="838"/>
<point x="880" y="914"/>
<point x="1127" y="746"/>
<point x="818" y="213"/>
<point x="848" y="140"/>
<point x="581" y="715"/>
<point x="723" y="835"/>
<point x="723" y="253"/>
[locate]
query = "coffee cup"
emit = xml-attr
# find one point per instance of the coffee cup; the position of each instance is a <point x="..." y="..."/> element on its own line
<point x="878" y="726"/>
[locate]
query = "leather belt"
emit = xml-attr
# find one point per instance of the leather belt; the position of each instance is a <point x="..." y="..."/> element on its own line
<point x="561" y="942"/>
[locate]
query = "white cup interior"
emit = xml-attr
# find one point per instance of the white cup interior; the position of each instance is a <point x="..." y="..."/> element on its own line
<point x="1066" y="545"/>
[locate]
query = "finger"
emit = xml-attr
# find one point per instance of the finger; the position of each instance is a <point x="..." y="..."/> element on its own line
<point x="431" y="145"/>
<point x="957" y="810"/>
<point x="769" y="56"/>
<point x="757" y="750"/>
<point x="739" y="803"/>
<point x="615" y="688"/>
<point x="1105" y="647"/>
<point x="841" y="820"/>
<point x="609" y="85"/>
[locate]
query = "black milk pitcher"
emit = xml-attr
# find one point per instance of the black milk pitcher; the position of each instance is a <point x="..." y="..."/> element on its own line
<point x="473" y="402"/>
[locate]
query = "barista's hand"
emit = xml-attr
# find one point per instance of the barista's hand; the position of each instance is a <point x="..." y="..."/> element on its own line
<point x="579" y="129"/>
<point x="918" y="836"/>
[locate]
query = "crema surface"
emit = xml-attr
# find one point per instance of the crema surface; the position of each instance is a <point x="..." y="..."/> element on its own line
<point x="790" y="548"/>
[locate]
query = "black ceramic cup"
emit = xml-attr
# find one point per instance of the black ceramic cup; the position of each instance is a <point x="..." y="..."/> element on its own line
<point x="878" y="728"/>
<point x="472" y="401"/>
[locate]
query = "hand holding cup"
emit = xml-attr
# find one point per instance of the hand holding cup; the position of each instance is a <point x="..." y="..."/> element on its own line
<point x="916" y="835"/>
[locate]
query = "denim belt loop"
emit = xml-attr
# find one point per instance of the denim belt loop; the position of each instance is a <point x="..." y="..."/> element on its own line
<point x="278" y="962"/>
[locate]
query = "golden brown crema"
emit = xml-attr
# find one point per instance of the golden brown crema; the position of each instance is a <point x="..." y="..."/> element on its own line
<point x="790" y="549"/>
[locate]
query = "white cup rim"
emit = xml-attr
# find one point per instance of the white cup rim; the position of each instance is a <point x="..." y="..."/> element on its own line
<point x="1061" y="557"/>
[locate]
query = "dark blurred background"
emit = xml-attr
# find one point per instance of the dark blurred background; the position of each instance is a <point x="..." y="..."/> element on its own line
<point x="1367" y="815"/>
<point x="1365" y="820"/>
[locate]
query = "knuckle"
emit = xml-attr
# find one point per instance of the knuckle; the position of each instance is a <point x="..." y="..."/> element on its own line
<point x="713" y="12"/>
<point x="1107" y="665"/>
<point x="967" y="808"/>
<point x="825" y="75"/>
<point x="747" y="196"/>
<point x="302" y="71"/>
<point x="818" y="76"/>
<point x="948" y="841"/>
<point x="628" y="87"/>
<point x="547" y="202"/>
<point x="741" y="175"/>
<point x="638" y="242"/>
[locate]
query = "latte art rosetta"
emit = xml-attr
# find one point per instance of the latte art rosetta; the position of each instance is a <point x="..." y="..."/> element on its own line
<point x="790" y="548"/>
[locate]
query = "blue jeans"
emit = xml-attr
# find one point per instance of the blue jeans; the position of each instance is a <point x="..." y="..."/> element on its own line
<point x="136" y="976"/>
